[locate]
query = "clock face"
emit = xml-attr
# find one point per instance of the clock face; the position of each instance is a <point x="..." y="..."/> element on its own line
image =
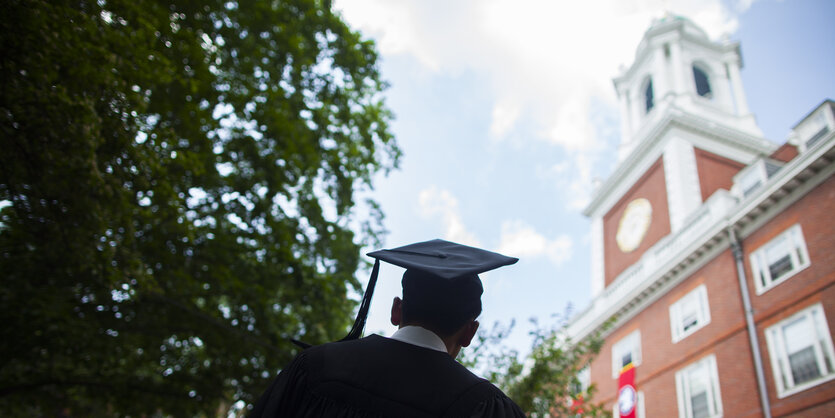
<point x="633" y="224"/>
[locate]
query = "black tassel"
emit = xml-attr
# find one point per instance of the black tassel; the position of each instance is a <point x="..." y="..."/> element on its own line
<point x="362" y="315"/>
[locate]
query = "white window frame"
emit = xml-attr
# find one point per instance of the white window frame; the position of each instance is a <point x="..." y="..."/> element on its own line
<point x="752" y="179"/>
<point x="814" y="127"/>
<point x="714" y="394"/>
<point x="822" y="347"/>
<point x="584" y="377"/>
<point x="630" y="343"/>
<point x="697" y="297"/>
<point x="798" y="255"/>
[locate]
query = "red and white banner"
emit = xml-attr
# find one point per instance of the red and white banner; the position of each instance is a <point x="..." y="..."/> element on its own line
<point x="627" y="394"/>
<point x="576" y="406"/>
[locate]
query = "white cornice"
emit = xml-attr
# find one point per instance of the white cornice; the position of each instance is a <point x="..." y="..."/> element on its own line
<point x="703" y="239"/>
<point x="611" y="191"/>
<point x="795" y="175"/>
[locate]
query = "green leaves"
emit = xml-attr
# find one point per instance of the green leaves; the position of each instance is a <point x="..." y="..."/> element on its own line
<point x="181" y="182"/>
<point x="546" y="382"/>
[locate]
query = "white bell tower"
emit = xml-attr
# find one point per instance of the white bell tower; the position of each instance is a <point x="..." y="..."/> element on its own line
<point x="686" y="130"/>
<point x="677" y="67"/>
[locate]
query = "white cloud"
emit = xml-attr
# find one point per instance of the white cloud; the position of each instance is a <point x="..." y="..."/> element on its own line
<point x="744" y="5"/>
<point x="573" y="178"/>
<point x="547" y="57"/>
<point x="436" y="202"/>
<point x="504" y="117"/>
<point x="518" y="239"/>
<point x="571" y="127"/>
<point x="544" y="62"/>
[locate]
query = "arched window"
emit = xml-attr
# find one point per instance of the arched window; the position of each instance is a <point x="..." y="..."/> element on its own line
<point x="702" y="82"/>
<point x="648" y="96"/>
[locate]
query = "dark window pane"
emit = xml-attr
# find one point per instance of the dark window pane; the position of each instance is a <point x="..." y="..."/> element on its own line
<point x="699" y="404"/>
<point x="627" y="358"/>
<point x="804" y="366"/>
<point x="780" y="267"/>
<point x="575" y="388"/>
<point x="702" y="84"/>
<point x="648" y="95"/>
<point x="690" y="322"/>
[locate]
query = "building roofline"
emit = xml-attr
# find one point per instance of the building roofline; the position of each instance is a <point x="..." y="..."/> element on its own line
<point x="813" y="111"/>
<point x="791" y="183"/>
<point x="605" y="196"/>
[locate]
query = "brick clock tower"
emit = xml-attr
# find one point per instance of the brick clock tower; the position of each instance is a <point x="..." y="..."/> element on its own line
<point x="713" y="248"/>
<point x="686" y="130"/>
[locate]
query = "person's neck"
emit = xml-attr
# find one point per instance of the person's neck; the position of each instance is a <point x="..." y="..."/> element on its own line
<point x="450" y="342"/>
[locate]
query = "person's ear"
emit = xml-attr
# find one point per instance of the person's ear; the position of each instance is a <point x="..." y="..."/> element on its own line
<point x="466" y="337"/>
<point x="396" y="311"/>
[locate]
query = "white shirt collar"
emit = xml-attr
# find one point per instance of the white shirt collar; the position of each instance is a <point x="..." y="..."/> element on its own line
<point x="420" y="337"/>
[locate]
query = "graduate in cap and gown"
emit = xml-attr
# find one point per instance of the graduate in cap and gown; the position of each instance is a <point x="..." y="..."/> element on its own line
<point x="413" y="373"/>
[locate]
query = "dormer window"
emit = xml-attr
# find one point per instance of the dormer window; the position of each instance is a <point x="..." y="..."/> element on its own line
<point x="750" y="182"/>
<point x="626" y="351"/>
<point x="702" y="82"/>
<point x="755" y="175"/>
<point x="814" y="127"/>
<point x="648" y="96"/>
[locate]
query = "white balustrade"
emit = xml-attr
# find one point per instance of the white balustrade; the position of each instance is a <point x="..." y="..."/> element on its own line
<point x="639" y="276"/>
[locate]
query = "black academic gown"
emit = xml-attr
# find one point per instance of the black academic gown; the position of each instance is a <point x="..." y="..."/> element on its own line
<point x="380" y="377"/>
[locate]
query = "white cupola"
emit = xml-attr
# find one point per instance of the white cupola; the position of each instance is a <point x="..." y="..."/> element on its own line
<point x="677" y="67"/>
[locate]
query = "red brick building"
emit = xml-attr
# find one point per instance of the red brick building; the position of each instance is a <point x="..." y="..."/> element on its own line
<point x="712" y="247"/>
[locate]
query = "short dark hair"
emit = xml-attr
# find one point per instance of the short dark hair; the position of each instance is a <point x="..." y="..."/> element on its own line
<point x="442" y="305"/>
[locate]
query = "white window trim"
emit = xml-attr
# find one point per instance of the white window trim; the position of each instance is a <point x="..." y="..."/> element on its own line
<point x="757" y="258"/>
<point x="682" y="385"/>
<point x="630" y="342"/>
<point x="752" y="179"/>
<point x="777" y="351"/>
<point x="584" y="376"/>
<point x="676" y="327"/>
<point x="641" y="412"/>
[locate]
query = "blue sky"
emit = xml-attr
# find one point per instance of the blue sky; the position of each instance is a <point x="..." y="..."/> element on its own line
<point x="506" y="114"/>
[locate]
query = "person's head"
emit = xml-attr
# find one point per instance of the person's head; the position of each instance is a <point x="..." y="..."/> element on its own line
<point x="440" y="305"/>
<point x="441" y="287"/>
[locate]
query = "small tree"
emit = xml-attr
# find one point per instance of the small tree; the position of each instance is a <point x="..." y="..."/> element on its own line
<point x="546" y="382"/>
<point x="178" y="183"/>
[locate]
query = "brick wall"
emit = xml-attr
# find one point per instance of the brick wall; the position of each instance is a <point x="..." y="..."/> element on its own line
<point x="651" y="186"/>
<point x="785" y="153"/>
<point x="726" y="335"/>
<point x="715" y="172"/>
<point x="815" y="284"/>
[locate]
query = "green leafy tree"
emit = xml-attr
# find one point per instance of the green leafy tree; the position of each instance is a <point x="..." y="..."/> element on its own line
<point x="545" y="383"/>
<point x="179" y="184"/>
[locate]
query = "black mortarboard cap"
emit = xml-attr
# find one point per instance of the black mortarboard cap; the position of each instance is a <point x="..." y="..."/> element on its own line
<point x="444" y="259"/>
<point x="436" y="258"/>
